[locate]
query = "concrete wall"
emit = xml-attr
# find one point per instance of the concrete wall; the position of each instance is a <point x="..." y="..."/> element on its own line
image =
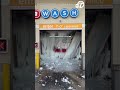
<point x="116" y="44"/>
<point x="5" y="58"/>
<point x="5" y="19"/>
<point x="116" y="33"/>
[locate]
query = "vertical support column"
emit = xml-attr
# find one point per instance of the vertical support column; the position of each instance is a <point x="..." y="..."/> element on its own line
<point x="116" y="44"/>
<point x="83" y="46"/>
<point x="37" y="50"/>
<point x="5" y="59"/>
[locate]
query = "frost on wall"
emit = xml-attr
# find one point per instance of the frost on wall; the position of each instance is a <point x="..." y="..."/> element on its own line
<point x="60" y="50"/>
<point x="23" y="50"/>
<point x="98" y="52"/>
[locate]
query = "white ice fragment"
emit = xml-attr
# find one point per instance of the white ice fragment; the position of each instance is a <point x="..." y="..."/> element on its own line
<point x="70" y="87"/>
<point x="83" y="76"/>
<point x="43" y="84"/>
<point x="50" y="68"/>
<point x="65" y="80"/>
<point x="41" y="68"/>
<point x="40" y="80"/>
<point x="39" y="73"/>
<point x="79" y="86"/>
<point x="56" y="80"/>
<point x="49" y="76"/>
<point x="36" y="76"/>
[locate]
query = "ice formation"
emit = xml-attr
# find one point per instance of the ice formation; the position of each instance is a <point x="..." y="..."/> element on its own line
<point x="70" y="59"/>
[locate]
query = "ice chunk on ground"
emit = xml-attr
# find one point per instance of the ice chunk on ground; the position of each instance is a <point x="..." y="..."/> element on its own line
<point x="41" y="68"/>
<point x="70" y="88"/>
<point x="43" y="85"/>
<point x="65" y="80"/>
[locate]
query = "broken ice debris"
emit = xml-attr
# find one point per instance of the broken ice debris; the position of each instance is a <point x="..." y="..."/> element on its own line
<point x="70" y="87"/>
<point x="56" y="81"/>
<point x="65" y="80"/>
<point x="83" y="76"/>
<point x="41" y="68"/>
<point x="43" y="84"/>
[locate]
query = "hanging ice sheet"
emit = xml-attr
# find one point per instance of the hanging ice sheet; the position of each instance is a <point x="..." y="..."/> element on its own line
<point x="61" y="50"/>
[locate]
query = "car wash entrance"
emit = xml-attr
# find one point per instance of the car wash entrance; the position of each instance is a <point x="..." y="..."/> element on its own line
<point x="60" y="51"/>
<point x="60" y="47"/>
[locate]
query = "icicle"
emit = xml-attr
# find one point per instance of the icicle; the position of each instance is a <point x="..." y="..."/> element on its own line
<point x="74" y="44"/>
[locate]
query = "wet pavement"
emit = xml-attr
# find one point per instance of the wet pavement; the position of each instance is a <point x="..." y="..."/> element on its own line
<point x="59" y="81"/>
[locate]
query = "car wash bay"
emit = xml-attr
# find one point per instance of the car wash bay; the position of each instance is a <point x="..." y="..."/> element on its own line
<point x="23" y="51"/>
<point x="58" y="42"/>
<point x="55" y="71"/>
<point x="24" y="56"/>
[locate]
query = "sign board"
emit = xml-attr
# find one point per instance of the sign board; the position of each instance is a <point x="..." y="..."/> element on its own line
<point x="22" y="2"/>
<point x="61" y="26"/>
<point x="55" y="13"/>
<point x="66" y="16"/>
<point x="98" y="2"/>
<point x="3" y="45"/>
<point x="32" y="2"/>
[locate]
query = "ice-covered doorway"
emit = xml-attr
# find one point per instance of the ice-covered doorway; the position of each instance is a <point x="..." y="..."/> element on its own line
<point x="60" y="51"/>
<point x="98" y="49"/>
<point x="23" y="39"/>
